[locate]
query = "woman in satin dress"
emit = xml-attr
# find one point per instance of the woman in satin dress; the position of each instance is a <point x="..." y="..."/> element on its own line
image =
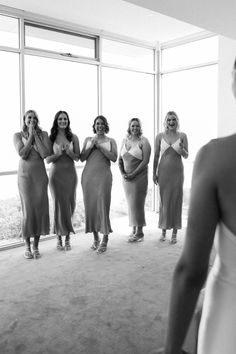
<point x="211" y="219"/>
<point x="98" y="152"/>
<point x="33" y="146"/>
<point x="133" y="163"/>
<point x="65" y="150"/>
<point x="168" y="173"/>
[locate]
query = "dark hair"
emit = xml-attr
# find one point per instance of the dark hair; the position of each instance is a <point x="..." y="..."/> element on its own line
<point x="169" y="114"/>
<point x="37" y="127"/>
<point x="235" y="64"/>
<point x="140" y="125"/>
<point x="54" y="129"/>
<point x="104" y="121"/>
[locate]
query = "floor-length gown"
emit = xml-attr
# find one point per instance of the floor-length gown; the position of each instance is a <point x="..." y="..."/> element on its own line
<point x="170" y="180"/>
<point x="63" y="183"/>
<point x="217" y="332"/>
<point x="136" y="188"/>
<point x="33" y="184"/>
<point x="96" y="184"/>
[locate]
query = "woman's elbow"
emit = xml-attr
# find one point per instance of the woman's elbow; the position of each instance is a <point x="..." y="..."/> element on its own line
<point x="114" y="158"/>
<point x="192" y="275"/>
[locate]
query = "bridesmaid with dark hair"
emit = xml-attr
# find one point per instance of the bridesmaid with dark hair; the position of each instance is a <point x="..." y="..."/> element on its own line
<point x="33" y="145"/>
<point x="98" y="151"/>
<point x="65" y="150"/>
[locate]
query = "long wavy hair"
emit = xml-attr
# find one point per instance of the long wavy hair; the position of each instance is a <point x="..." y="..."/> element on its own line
<point x="104" y="121"/>
<point x="25" y="129"/>
<point x="168" y="115"/>
<point x="54" y="129"/>
<point x="140" y="126"/>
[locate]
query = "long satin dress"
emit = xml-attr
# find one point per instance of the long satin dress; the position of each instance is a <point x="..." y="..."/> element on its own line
<point x="217" y="332"/>
<point x="63" y="183"/>
<point x="96" y="184"/>
<point x="33" y="184"/>
<point x="170" y="179"/>
<point x="135" y="189"/>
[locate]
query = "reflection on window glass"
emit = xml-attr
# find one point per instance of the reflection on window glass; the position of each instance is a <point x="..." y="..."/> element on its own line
<point x="65" y="86"/>
<point x="127" y="55"/>
<point x="59" y="41"/>
<point x="196" y="106"/>
<point x="9" y="31"/>
<point x="10" y="108"/>
<point x="197" y="52"/>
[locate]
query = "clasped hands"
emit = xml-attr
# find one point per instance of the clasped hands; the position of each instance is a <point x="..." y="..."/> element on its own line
<point x="64" y="148"/>
<point x="128" y="176"/>
<point x="94" y="143"/>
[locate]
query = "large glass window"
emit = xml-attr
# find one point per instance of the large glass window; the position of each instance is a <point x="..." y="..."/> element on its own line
<point x="193" y="53"/>
<point x="193" y="95"/>
<point x="10" y="108"/>
<point x="119" y="53"/>
<point x="126" y="95"/>
<point x="52" y="85"/>
<point x="9" y="31"/>
<point x="66" y="43"/>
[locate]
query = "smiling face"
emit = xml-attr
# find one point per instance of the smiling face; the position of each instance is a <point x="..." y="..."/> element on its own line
<point x="31" y="119"/>
<point x="135" y="128"/>
<point x="171" y="121"/>
<point x="99" y="126"/>
<point x="62" y="121"/>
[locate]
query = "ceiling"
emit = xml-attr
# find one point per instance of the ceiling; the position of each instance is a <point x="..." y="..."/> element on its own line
<point x="149" y="21"/>
<point x="216" y="16"/>
<point x="117" y="17"/>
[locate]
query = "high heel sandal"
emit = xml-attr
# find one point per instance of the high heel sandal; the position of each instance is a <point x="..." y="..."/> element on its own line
<point x="102" y="247"/>
<point x="95" y="245"/>
<point x="36" y="254"/>
<point x="173" y="239"/>
<point x="138" y="237"/>
<point x="163" y="236"/>
<point x="67" y="245"/>
<point x="28" y="254"/>
<point x="59" y="243"/>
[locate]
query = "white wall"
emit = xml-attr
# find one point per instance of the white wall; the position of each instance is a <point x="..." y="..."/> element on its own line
<point x="226" y="101"/>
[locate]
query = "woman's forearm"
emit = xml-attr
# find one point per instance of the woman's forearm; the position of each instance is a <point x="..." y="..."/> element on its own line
<point x="184" y="295"/>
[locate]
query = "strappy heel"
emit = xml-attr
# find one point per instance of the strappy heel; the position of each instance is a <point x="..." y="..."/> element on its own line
<point x="173" y="240"/>
<point x="67" y="243"/>
<point x="36" y="254"/>
<point x="67" y="246"/>
<point x="163" y="236"/>
<point x="59" y="244"/>
<point x="28" y="254"/>
<point x="95" y="245"/>
<point x="136" y="238"/>
<point x="174" y="237"/>
<point x="102" y="247"/>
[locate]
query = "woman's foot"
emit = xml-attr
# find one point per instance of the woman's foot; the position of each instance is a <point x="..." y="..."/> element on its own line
<point x="138" y="237"/>
<point x="67" y="243"/>
<point x="36" y="254"/>
<point x="103" y="245"/>
<point x="173" y="237"/>
<point x="28" y="254"/>
<point x="163" y="236"/>
<point x="59" y="243"/>
<point x="173" y="240"/>
<point x="95" y="244"/>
